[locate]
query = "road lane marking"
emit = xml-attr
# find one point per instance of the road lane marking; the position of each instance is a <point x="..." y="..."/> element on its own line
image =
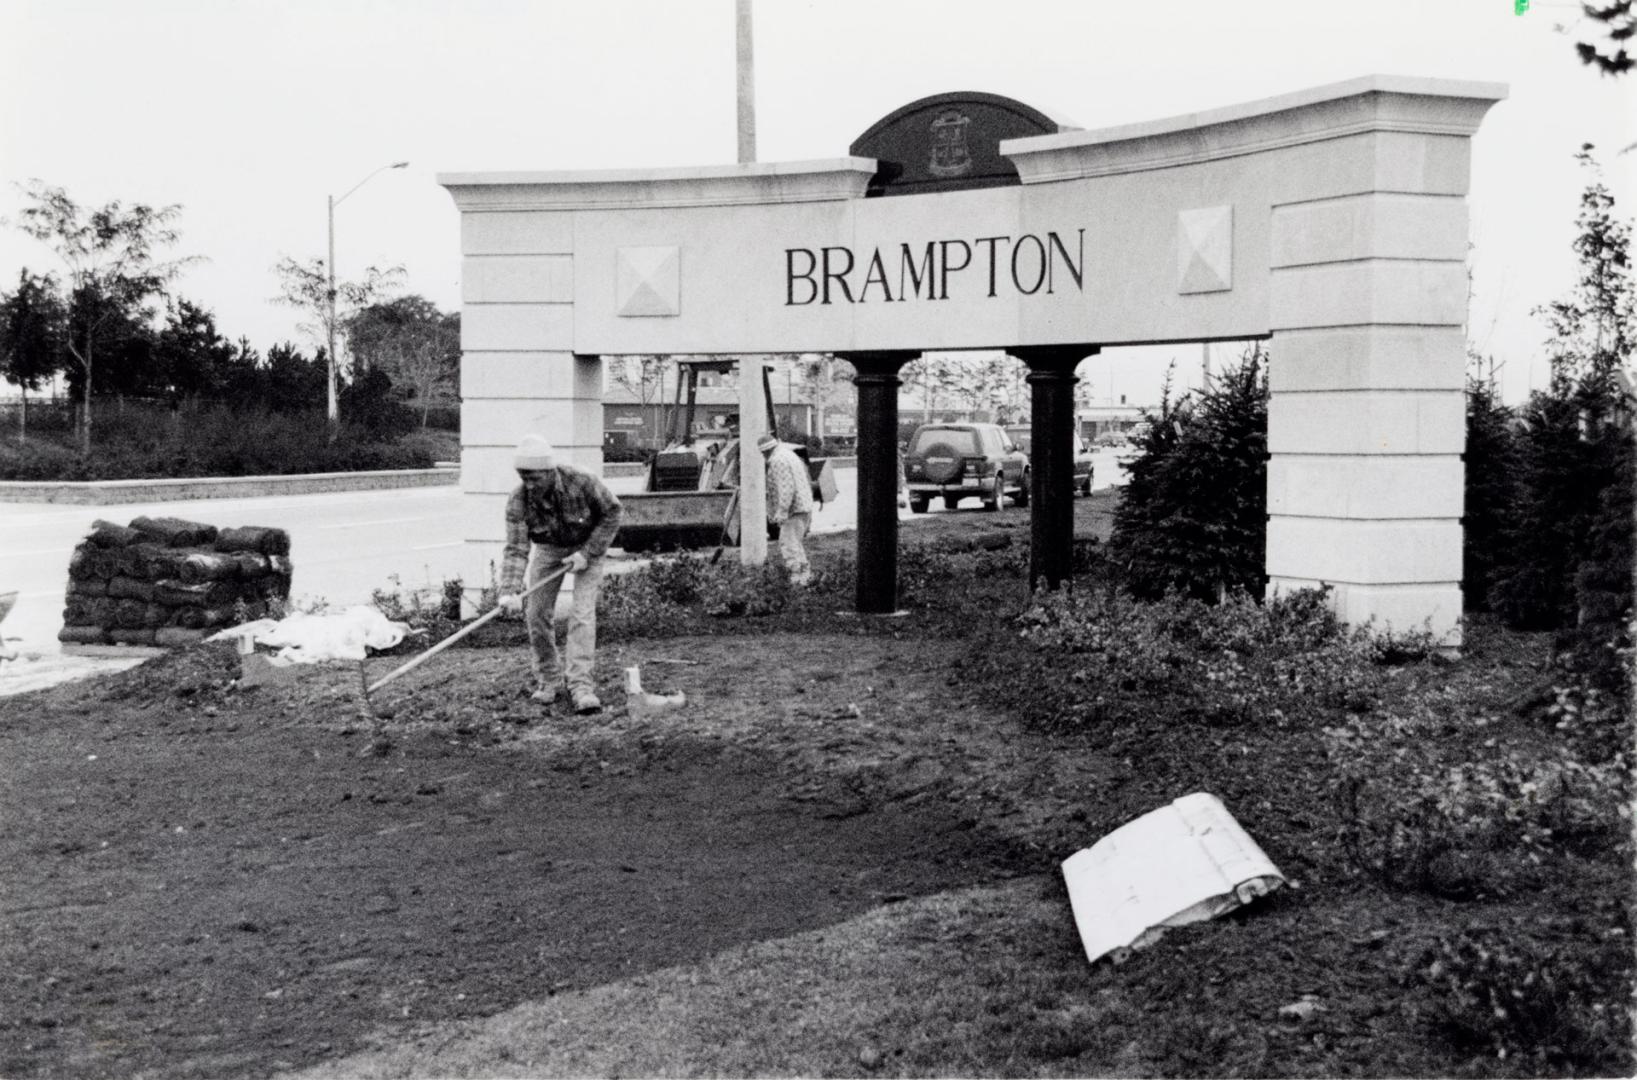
<point x="366" y="524"/>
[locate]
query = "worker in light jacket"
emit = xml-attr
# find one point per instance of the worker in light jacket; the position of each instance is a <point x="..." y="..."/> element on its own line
<point x="789" y="505"/>
<point x="562" y="515"/>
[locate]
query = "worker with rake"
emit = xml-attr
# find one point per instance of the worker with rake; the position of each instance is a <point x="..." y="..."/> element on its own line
<point x="567" y="518"/>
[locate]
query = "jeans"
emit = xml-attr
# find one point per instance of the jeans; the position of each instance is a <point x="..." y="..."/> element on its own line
<point x="792" y="537"/>
<point x="539" y="613"/>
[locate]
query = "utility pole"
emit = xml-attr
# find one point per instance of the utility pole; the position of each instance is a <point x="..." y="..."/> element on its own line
<point x="332" y="407"/>
<point x="752" y="403"/>
<point x="752" y="467"/>
<point x="747" y="83"/>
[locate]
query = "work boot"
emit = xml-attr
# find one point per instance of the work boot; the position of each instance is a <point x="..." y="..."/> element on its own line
<point x="549" y="695"/>
<point x="586" y="702"/>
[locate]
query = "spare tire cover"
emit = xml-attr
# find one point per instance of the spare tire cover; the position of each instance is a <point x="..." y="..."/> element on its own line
<point x="943" y="463"/>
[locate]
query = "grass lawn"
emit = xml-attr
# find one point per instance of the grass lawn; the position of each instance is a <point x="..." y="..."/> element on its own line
<point x="840" y="859"/>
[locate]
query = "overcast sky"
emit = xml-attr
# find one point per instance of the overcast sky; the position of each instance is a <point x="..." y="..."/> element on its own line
<point x="248" y="113"/>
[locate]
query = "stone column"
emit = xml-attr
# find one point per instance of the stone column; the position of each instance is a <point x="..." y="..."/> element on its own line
<point x="877" y="382"/>
<point x="1366" y="421"/>
<point x="1051" y="459"/>
<point x="518" y="371"/>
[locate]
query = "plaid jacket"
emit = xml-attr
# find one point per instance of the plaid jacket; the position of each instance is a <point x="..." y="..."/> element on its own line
<point x="579" y="512"/>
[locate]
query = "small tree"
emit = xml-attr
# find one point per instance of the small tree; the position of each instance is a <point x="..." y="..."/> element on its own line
<point x="33" y="323"/>
<point x="1490" y="463"/>
<point x="110" y="254"/>
<point x="294" y="383"/>
<point x="1193" y="518"/>
<point x="191" y="358"/>
<point x="1567" y="557"/>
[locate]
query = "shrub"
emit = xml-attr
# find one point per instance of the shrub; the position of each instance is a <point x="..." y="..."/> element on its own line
<point x="1417" y="819"/>
<point x="746" y="590"/>
<point x="1568" y="549"/>
<point x="368" y="403"/>
<point x="1110" y="657"/>
<point x="1490" y="461"/>
<point x="443" y="418"/>
<point x="431" y="614"/>
<point x="1554" y="493"/>
<point x="672" y="592"/>
<point x="144" y="441"/>
<point x="1542" y="995"/>
<point x="1193" y="518"/>
<point x="39" y="460"/>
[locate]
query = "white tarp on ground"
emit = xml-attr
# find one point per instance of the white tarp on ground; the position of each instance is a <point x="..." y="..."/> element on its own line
<point x="1183" y="863"/>
<point x="305" y="638"/>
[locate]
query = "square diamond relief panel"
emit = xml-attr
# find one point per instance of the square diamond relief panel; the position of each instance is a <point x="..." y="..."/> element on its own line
<point x="647" y="281"/>
<point x="1205" y="250"/>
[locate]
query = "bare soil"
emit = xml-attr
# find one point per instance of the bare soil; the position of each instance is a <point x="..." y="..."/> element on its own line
<point x="209" y="880"/>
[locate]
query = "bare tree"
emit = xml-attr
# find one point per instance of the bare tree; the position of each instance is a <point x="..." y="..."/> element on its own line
<point x="414" y="343"/>
<point x="643" y="376"/>
<point x="110" y="256"/>
<point x="305" y="286"/>
<point x="825" y="380"/>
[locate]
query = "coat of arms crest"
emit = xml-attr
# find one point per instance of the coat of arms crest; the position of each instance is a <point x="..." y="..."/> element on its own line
<point x="950" y="156"/>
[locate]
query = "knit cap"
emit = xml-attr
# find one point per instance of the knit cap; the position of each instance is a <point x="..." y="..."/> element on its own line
<point x="534" y="452"/>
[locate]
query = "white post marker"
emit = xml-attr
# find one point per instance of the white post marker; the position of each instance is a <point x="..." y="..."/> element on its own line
<point x="752" y="467"/>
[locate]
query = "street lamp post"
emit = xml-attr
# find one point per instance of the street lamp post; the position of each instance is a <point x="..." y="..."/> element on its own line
<point x="334" y="410"/>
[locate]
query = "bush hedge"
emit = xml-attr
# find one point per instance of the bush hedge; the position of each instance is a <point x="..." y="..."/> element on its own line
<point x="210" y="441"/>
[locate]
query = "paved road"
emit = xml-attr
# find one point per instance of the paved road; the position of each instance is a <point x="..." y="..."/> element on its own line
<point x="345" y="545"/>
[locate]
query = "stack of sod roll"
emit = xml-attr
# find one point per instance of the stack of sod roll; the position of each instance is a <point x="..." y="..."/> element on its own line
<point x="163" y="581"/>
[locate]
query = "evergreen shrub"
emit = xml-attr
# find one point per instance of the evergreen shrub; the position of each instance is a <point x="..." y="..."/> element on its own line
<point x="1193" y="517"/>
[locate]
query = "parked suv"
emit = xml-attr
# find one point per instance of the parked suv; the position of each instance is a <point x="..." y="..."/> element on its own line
<point x="958" y="460"/>
<point x="1084" y="461"/>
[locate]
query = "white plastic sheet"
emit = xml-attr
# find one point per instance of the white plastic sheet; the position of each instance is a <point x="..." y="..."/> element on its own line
<point x="310" y="638"/>
<point x="1183" y="863"/>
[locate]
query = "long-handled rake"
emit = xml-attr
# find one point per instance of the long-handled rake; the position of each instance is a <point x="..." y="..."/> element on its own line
<point x="369" y="688"/>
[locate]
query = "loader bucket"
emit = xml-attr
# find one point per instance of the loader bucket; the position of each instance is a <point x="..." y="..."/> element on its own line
<point x="672" y="520"/>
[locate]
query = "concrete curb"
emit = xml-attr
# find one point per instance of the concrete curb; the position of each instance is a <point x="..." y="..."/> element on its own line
<point x="113" y="492"/>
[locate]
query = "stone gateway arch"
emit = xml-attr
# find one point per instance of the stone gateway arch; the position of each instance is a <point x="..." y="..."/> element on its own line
<point x="1332" y="221"/>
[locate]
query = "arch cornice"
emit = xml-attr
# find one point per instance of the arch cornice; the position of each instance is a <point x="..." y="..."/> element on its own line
<point x="758" y="183"/>
<point x="1369" y="103"/>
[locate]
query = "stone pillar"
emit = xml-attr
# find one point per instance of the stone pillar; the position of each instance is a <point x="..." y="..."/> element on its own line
<point x="518" y="371"/>
<point x="1366" y="420"/>
<point x="1051" y="459"/>
<point x="877" y="382"/>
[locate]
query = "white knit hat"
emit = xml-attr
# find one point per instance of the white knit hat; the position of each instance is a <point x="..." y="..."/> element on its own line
<point x="534" y="452"/>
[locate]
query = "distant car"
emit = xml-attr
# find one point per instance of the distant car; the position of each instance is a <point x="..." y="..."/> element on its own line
<point x="959" y="460"/>
<point x="1083" y="458"/>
